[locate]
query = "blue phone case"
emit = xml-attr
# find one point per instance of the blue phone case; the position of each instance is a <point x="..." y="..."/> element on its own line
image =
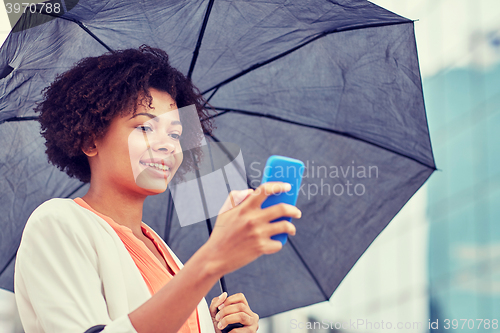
<point x="288" y="170"/>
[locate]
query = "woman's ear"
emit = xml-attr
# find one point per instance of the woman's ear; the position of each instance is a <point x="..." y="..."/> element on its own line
<point x="89" y="148"/>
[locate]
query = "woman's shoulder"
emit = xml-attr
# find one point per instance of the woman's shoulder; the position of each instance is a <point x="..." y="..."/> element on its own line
<point x="60" y="212"/>
<point x="54" y="204"/>
<point x="54" y="207"/>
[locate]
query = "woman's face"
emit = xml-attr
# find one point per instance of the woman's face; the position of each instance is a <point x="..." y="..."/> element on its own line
<point x="143" y="151"/>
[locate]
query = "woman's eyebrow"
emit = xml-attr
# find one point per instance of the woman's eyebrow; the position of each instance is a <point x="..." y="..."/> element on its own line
<point x="150" y="115"/>
<point x="154" y="117"/>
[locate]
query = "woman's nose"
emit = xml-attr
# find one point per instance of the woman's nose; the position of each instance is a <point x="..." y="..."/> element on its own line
<point x="163" y="142"/>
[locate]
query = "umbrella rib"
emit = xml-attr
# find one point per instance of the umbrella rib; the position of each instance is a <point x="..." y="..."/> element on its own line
<point x="281" y="55"/>
<point x="19" y="119"/>
<point x="309" y="270"/>
<point x="8" y="262"/>
<point x="228" y="154"/>
<point x="212" y="95"/>
<point x="170" y="214"/>
<point x="200" y="38"/>
<point x="43" y="11"/>
<point x="92" y="35"/>
<point x="252" y="113"/>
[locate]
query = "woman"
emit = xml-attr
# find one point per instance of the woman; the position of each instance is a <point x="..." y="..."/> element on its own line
<point x="91" y="263"/>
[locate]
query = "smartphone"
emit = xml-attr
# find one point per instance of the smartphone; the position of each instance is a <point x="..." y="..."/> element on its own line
<point x="288" y="170"/>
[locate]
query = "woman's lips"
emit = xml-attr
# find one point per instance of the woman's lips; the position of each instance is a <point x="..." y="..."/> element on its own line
<point x="157" y="170"/>
<point x="157" y="166"/>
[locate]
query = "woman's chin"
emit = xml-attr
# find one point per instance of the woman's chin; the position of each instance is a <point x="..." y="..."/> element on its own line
<point x="153" y="184"/>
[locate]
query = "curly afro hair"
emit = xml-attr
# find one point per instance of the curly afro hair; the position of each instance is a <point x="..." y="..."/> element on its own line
<point x="78" y="106"/>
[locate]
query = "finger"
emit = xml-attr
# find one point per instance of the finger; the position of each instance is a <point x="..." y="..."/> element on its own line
<point x="280" y="227"/>
<point x="271" y="246"/>
<point x="235" y="198"/>
<point x="232" y="309"/>
<point x="246" y="193"/>
<point x="249" y="329"/>
<point x="216" y="301"/>
<point x="282" y="209"/>
<point x="240" y="317"/>
<point x="264" y="190"/>
<point x="235" y="298"/>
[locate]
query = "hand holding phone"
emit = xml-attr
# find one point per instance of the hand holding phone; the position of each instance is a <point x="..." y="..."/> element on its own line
<point x="288" y="170"/>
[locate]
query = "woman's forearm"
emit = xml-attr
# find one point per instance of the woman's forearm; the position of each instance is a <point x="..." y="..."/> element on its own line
<point x="168" y="309"/>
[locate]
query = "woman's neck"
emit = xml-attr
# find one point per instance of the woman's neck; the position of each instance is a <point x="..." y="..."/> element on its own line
<point x="122" y="208"/>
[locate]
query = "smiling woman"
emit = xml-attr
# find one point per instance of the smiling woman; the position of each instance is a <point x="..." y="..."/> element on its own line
<point x="142" y="149"/>
<point x="121" y="121"/>
<point x="84" y="100"/>
<point x="154" y="146"/>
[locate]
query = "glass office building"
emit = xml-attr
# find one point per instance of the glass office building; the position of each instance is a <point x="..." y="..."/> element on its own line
<point x="463" y="106"/>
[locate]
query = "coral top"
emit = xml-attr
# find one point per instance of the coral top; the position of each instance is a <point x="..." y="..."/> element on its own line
<point x="154" y="273"/>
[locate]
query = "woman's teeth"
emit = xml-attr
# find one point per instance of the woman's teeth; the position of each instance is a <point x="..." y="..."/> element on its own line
<point x="157" y="166"/>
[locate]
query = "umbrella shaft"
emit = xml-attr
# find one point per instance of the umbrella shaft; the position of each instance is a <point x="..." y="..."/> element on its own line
<point x="222" y="283"/>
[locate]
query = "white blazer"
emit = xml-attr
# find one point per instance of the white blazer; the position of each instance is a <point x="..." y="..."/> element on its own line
<point x="72" y="272"/>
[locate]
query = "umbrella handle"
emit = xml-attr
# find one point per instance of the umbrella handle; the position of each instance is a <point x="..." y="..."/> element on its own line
<point x="229" y="327"/>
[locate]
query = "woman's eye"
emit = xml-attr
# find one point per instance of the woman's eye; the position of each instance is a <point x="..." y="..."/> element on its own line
<point x="144" y="128"/>
<point x="175" y="136"/>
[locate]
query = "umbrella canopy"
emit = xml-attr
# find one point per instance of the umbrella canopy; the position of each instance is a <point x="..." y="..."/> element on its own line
<point x="335" y="84"/>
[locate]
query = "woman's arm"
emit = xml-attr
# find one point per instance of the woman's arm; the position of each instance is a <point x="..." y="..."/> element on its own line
<point x="240" y="235"/>
<point x="168" y="309"/>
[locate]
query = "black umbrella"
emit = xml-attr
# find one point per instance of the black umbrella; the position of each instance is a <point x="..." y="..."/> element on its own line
<point x="335" y="84"/>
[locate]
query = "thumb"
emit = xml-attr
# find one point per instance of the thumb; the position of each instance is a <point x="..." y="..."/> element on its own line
<point x="234" y="199"/>
<point x="242" y="195"/>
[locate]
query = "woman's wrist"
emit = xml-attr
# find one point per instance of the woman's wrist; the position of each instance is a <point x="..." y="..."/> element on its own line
<point x="211" y="262"/>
